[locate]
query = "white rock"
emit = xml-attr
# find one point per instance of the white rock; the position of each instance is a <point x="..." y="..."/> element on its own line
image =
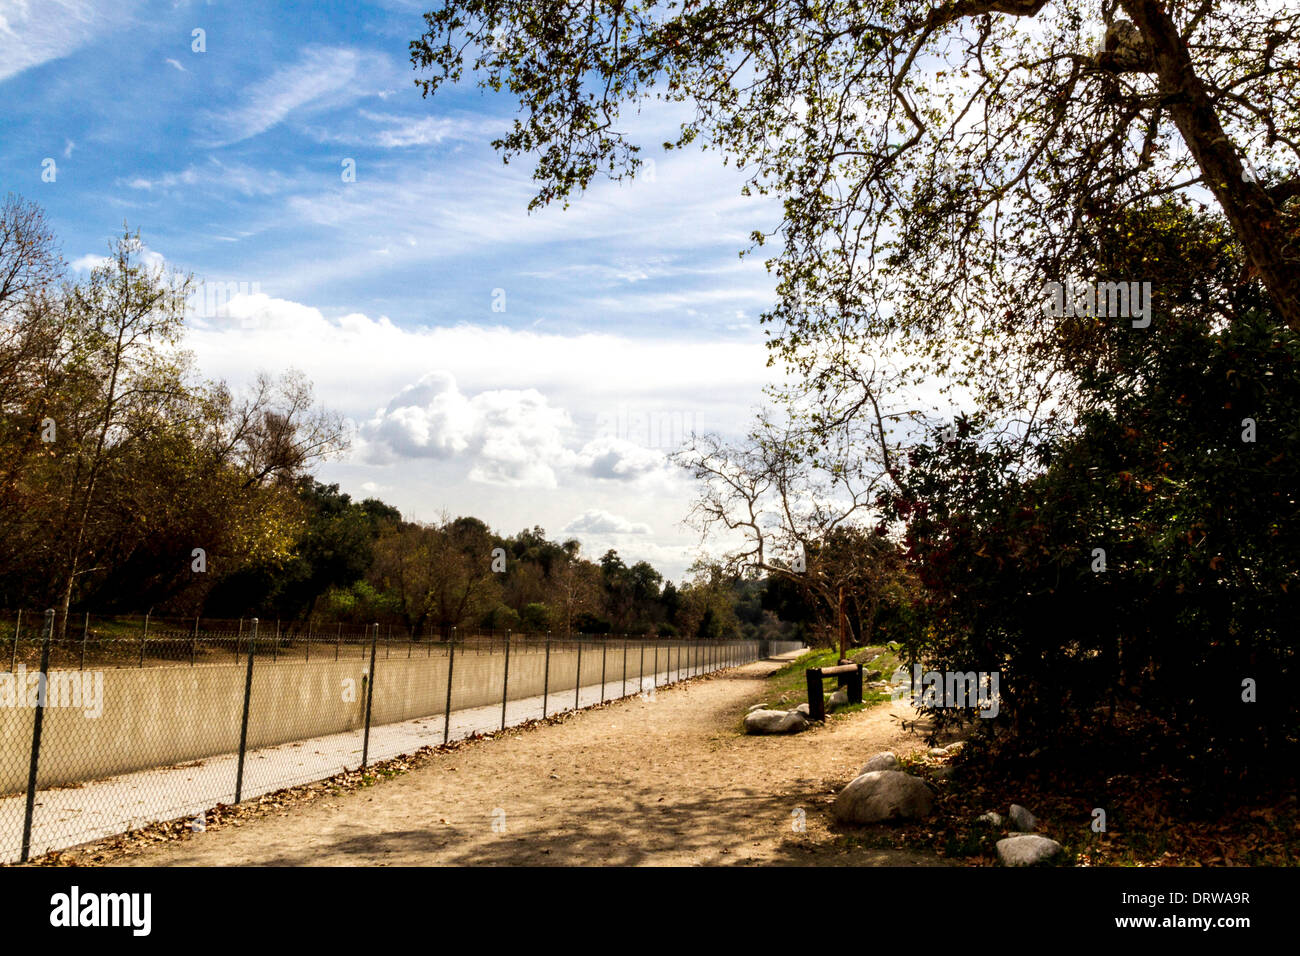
<point x="1026" y="849"/>
<point x="881" y="761"/>
<point x="1022" y="819"/>
<point x="775" y="722"/>
<point x="993" y="818"/>
<point x="803" y="708"/>
<point x="938" y="752"/>
<point x="839" y="698"/>
<point x="757" y="707"/>
<point x="883" y="795"/>
<point x="954" y="747"/>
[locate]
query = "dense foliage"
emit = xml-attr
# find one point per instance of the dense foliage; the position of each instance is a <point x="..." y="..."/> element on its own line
<point x="1150" y="565"/>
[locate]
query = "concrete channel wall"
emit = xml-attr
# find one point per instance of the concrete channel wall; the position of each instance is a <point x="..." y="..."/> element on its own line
<point x="161" y="716"/>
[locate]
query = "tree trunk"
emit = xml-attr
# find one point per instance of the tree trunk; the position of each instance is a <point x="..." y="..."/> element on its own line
<point x="1252" y="213"/>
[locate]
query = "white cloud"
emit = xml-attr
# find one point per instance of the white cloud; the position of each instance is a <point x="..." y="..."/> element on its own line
<point x="516" y="427"/>
<point x="618" y="459"/>
<point x="615" y="386"/>
<point x="597" y="521"/>
<point x="470" y="204"/>
<point x="35" y="33"/>
<point x="428" y="419"/>
<point x="219" y="178"/>
<point x="152" y="261"/>
<point x="396" y="131"/>
<point x="177" y="64"/>
<point x="322" y="76"/>
<point x="88" y="262"/>
<point x="514" y="437"/>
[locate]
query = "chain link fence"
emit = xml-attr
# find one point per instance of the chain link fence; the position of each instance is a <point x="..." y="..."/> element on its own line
<point x="120" y="722"/>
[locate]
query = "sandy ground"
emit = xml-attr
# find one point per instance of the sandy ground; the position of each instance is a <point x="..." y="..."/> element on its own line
<point x="668" y="781"/>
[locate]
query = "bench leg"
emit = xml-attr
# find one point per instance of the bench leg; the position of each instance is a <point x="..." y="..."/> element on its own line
<point x="816" y="706"/>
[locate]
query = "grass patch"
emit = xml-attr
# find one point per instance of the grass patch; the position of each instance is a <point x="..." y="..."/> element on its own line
<point x="787" y="687"/>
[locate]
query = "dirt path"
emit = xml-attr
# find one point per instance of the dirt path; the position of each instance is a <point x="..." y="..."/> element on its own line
<point x="668" y="781"/>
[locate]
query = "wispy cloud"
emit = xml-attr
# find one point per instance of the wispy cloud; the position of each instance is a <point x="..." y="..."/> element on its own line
<point x="396" y="131"/>
<point x="35" y="33"/>
<point x="218" y="177"/>
<point x="323" y="76"/>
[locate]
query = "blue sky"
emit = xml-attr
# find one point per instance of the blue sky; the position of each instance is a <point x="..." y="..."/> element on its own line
<point x="619" y="324"/>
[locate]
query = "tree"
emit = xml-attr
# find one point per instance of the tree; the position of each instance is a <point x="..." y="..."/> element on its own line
<point x="125" y="320"/>
<point x="440" y="575"/>
<point x="275" y="431"/>
<point x="576" y="585"/>
<point x="32" y="379"/>
<point x="1149" y="566"/>
<point x="938" y="162"/>
<point x="708" y="603"/>
<point x="788" y="509"/>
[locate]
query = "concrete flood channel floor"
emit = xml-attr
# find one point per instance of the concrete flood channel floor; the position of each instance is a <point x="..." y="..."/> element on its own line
<point x="79" y="813"/>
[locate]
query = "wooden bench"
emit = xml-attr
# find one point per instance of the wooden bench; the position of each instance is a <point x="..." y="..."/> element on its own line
<point x="849" y="675"/>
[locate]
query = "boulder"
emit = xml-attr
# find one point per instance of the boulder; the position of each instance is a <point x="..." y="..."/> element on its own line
<point x="1022" y="819"/>
<point x="838" y="699"/>
<point x="881" y="761"/>
<point x="883" y="795"/>
<point x="757" y="707"/>
<point x="1026" y="849"/>
<point x="775" y="722"/>
<point x="803" y="708"/>
<point x="992" y="818"/>
<point x="954" y="747"/>
<point x="938" y="752"/>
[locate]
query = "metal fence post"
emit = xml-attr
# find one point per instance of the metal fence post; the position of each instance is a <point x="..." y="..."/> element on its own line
<point x="546" y="675"/>
<point x="37" y="725"/>
<point x="85" y="627"/>
<point x="505" y="683"/>
<point x="275" y="643"/>
<point x="656" y="676"/>
<point x="144" y="636"/>
<point x="604" y="650"/>
<point x="243" y="728"/>
<point x="446" y="712"/>
<point x="640" y="672"/>
<point x="18" y="624"/>
<point x="577" y="684"/>
<point x="194" y="644"/>
<point x="370" y="699"/>
<point x="624" y="694"/>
